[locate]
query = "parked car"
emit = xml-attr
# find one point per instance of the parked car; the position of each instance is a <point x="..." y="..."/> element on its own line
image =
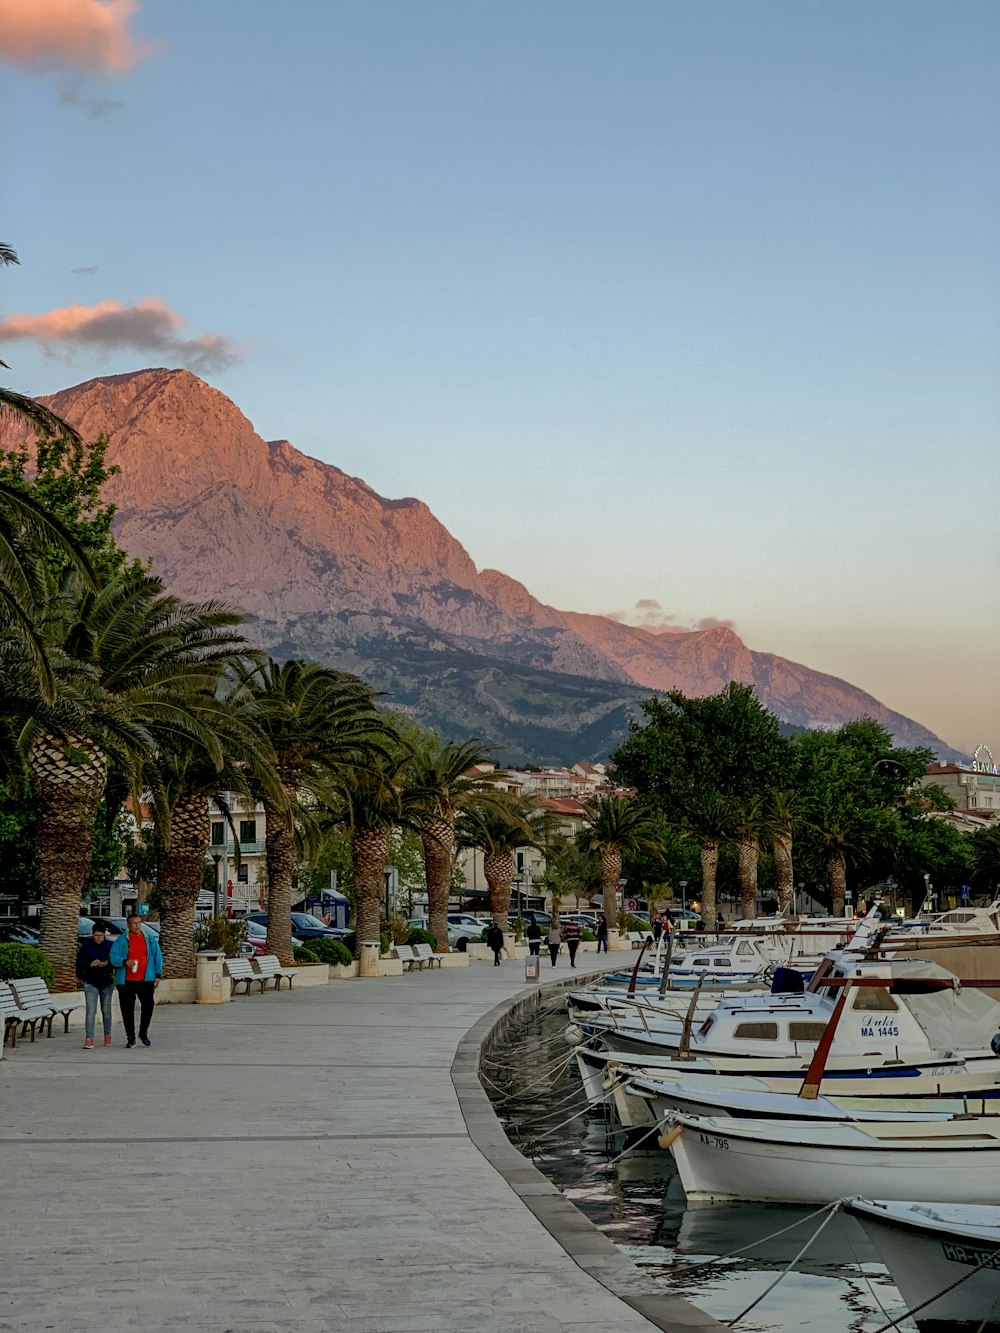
<point x="114" y="926"/>
<point x="461" y="929"/>
<point x="544" y="919"/>
<point x="255" y="941"/>
<point x="587" y="920"/>
<point x="683" y="918"/>
<point x="305" y="926"/>
<point x="12" y="932"/>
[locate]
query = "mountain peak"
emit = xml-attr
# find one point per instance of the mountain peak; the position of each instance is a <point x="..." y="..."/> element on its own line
<point x="327" y="567"/>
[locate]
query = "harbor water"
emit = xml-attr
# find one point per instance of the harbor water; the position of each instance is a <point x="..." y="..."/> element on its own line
<point x="838" y="1285"/>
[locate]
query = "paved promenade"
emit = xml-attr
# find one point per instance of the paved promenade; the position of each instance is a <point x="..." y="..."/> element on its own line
<point x="293" y="1163"/>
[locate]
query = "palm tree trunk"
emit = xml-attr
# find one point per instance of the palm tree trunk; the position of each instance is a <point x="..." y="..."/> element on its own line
<point x="180" y="871"/>
<point x="746" y="874"/>
<point x="369" y="858"/>
<point x="498" y="869"/>
<point x="836" y="868"/>
<point x="611" y="870"/>
<point x="709" y="871"/>
<point x="438" y="839"/>
<point x="781" y="845"/>
<point x="279" y="852"/>
<point x="68" y="778"/>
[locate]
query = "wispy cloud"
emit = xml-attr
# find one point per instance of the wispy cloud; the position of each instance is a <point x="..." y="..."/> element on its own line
<point x="85" y="268"/>
<point x="71" y="93"/>
<point x="648" y="613"/>
<point x="88" y="35"/>
<point x="147" y="326"/>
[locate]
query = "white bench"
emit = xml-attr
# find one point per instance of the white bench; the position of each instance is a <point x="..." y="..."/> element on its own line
<point x="240" y="973"/>
<point x="637" y="938"/>
<point x="32" y="993"/>
<point x="268" y="966"/>
<point x="427" y="955"/>
<point x="408" y="958"/>
<point x="17" y="1016"/>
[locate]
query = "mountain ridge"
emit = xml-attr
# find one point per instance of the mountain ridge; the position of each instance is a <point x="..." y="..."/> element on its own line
<point x="323" y="565"/>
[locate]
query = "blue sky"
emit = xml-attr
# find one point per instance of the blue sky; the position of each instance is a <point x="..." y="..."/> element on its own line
<point x="693" y="302"/>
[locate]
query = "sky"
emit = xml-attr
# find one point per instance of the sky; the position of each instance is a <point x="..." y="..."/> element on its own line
<point x="681" y="311"/>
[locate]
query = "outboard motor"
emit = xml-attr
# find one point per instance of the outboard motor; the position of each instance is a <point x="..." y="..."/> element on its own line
<point x="787" y="981"/>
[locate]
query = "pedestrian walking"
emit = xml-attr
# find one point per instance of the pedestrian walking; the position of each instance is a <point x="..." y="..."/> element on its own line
<point x="138" y="965"/>
<point x="571" y="933"/>
<point x="494" y="938"/>
<point x="657" y="927"/>
<point x="95" y="975"/>
<point x="534" y="936"/>
<point x="602" y="932"/>
<point x="555" y="942"/>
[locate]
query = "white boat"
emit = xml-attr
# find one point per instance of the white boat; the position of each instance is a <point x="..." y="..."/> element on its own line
<point x="803" y="1161"/>
<point x="931" y="1247"/>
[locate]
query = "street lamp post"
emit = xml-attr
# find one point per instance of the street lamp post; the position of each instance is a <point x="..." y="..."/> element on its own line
<point x="215" y="886"/>
<point x="684" y="885"/>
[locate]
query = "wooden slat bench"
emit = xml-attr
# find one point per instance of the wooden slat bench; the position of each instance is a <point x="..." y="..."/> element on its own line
<point x="427" y="954"/>
<point x="405" y="954"/>
<point x="240" y="973"/>
<point x="267" y="965"/>
<point x="17" y="1016"/>
<point x="32" y="993"/>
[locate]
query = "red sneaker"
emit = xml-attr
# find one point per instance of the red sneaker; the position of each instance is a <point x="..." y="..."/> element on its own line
<point x="107" y="1040"/>
<point x="88" y="1045"/>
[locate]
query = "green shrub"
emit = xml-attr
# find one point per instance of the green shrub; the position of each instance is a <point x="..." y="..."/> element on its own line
<point x="587" y="935"/>
<point x="218" y="932"/>
<point x="22" y="960"/>
<point x="419" y="936"/>
<point x="304" y="954"/>
<point x="351" y="941"/>
<point x="328" y="951"/>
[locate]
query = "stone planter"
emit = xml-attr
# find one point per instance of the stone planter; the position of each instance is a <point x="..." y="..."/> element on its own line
<point x="588" y="946"/>
<point x="481" y="952"/>
<point x="178" y="990"/>
<point x="390" y="967"/>
<point x="312" y="974"/>
<point x="615" y="941"/>
<point x="455" y="959"/>
<point x="343" y="971"/>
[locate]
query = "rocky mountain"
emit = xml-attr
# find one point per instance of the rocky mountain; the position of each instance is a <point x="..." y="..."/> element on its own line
<point x="324" y="566"/>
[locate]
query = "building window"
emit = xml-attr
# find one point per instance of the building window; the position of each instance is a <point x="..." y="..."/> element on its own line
<point x="218" y="835"/>
<point x="248" y="830"/>
<point x="243" y="874"/>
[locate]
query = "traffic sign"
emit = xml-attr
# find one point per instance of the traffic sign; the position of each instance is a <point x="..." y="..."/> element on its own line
<point x="631" y="904"/>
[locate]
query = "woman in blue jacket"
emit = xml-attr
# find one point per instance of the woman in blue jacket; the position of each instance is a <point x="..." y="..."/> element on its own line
<point x="138" y="965"/>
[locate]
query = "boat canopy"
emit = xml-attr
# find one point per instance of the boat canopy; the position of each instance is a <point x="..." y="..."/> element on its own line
<point x="964" y="1019"/>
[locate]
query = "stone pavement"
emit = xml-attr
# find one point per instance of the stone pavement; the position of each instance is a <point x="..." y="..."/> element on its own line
<point x="293" y="1163"/>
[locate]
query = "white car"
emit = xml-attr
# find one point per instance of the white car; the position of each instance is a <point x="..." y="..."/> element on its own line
<point x="461" y="928"/>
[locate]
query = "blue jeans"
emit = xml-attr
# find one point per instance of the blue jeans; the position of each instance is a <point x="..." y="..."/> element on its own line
<point x="91" y="994"/>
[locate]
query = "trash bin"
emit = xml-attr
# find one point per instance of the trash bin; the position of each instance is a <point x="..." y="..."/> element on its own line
<point x="532" y="967"/>
<point x="210" y="985"/>
<point x="370" y="953"/>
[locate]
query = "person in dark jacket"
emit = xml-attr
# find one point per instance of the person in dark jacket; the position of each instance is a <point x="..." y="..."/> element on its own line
<point x="657" y="928"/>
<point x="494" y="938"/>
<point x="571" y="933"/>
<point x="534" y="936"/>
<point x="95" y="974"/>
<point x="602" y="932"/>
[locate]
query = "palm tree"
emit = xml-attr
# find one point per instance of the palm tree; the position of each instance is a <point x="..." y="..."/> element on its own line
<point x="711" y="820"/>
<point x="128" y="659"/>
<point x="372" y="801"/>
<point x="747" y="830"/>
<point x="616" y="824"/>
<point x="498" y="828"/>
<point x="191" y="781"/>
<point x="782" y="811"/>
<point x="16" y="404"/>
<point x="830" y="824"/>
<point x="322" y="725"/>
<point x="442" y="783"/>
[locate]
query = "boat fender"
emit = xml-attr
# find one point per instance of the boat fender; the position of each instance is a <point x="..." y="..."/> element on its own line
<point x="995" y="1044"/>
<point x="573" y="1036"/>
<point x="665" y="1140"/>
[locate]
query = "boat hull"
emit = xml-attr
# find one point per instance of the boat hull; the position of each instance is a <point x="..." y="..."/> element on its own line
<point x="924" y="1260"/>
<point x="717" y="1164"/>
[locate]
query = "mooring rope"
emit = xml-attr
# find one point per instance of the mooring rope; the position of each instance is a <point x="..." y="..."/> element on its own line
<point x="831" y="1210"/>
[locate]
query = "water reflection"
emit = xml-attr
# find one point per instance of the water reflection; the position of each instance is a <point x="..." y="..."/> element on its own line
<point x="838" y="1286"/>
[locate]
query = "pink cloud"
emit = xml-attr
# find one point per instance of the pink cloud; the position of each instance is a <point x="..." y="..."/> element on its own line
<point x="147" y="326"/>
<point x="648" y="614"/>
<point x="90" y="35"/>
<point x="710" y="622"/>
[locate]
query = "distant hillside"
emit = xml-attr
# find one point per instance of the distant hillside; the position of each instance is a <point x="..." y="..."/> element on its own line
<point x="328" y="568"/>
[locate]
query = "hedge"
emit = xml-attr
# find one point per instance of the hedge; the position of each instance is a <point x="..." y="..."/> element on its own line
<point x="327" y="951"/>
<point x="420" y="936"/>
<point x="22" y="960"/>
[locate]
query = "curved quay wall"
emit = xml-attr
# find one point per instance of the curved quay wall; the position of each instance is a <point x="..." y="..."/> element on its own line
<point x="588" y="1247"/>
